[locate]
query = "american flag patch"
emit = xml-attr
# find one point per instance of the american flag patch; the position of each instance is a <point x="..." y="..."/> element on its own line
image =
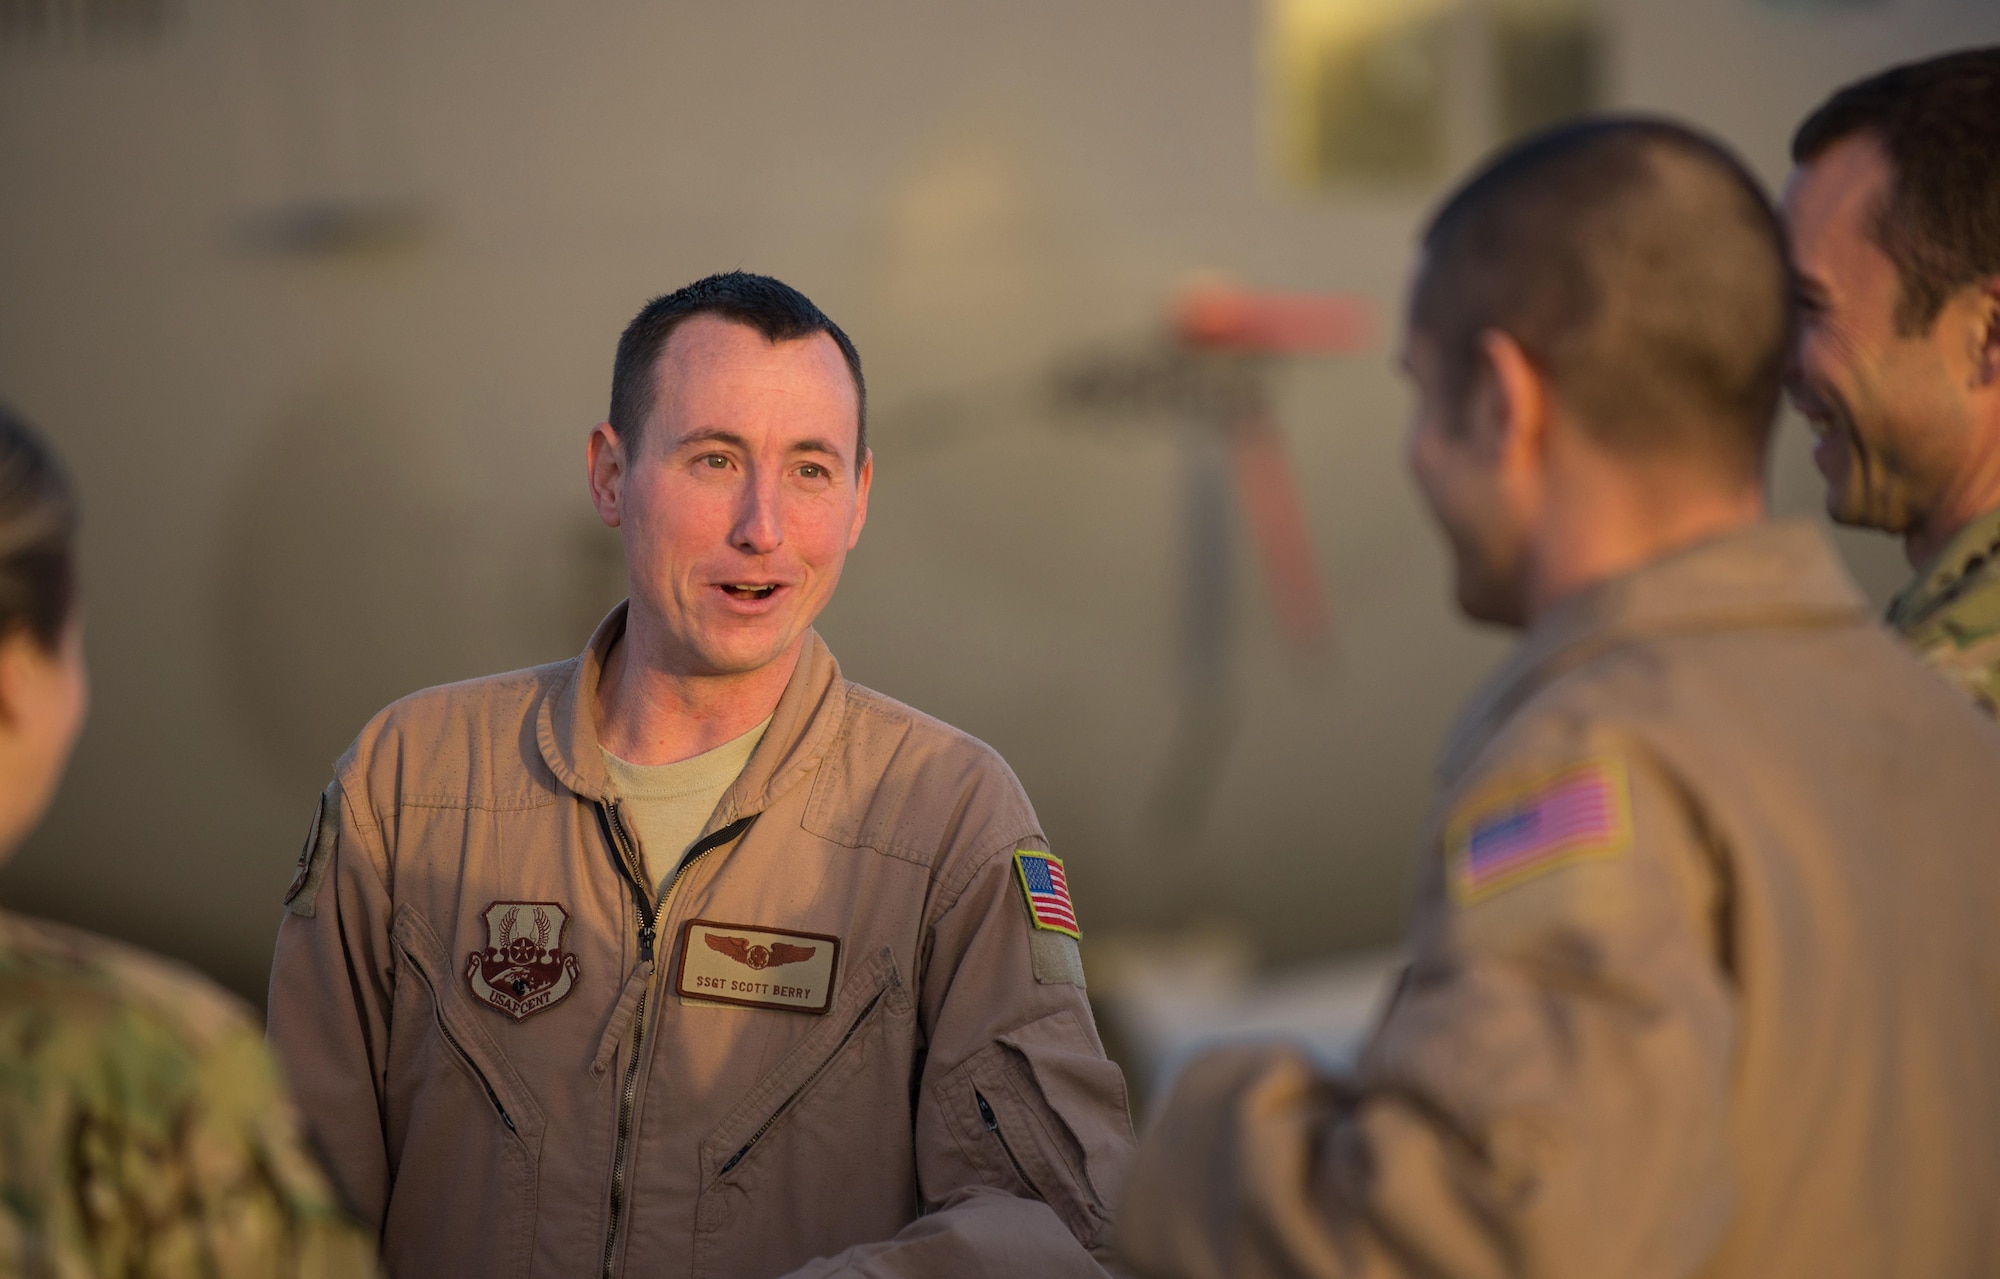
<point x="1503" y="839"/>
<point x="1048" y="892"/>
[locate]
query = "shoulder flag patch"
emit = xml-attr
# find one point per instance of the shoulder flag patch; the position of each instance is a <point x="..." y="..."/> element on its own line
<point x="1048" y="892"/>
<point x="1505" y="838"/>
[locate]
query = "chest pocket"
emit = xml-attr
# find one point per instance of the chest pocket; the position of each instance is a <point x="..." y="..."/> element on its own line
<point x="777" y="1183"/>
<point x="446" y="1073"/>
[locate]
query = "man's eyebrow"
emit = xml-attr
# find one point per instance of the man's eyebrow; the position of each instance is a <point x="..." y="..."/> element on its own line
<point x="816" y="446"/>
<point x="731" y="439"/>
<point x="713" y="437"/>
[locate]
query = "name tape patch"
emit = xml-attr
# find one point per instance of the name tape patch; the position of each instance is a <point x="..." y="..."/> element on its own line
<point x="1503" y="839"/>
<point x="757" y="967"/>
<point x="1047" y="889"/>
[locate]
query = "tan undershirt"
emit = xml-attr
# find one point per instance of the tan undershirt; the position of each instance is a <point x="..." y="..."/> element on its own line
<point x="666" y="805"/>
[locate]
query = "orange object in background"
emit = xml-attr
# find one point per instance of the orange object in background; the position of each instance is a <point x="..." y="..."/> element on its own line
<point x="1223" y="317"/>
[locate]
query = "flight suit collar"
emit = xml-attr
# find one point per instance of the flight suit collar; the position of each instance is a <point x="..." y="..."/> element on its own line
<point x="1774" y="574"/>
<point x="1947" y="575"/>
<point x="807" y="717"/>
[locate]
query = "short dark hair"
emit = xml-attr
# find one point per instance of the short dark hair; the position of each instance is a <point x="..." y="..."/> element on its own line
<point x="1938" y="121"/>
<point x="775" y="309"/>
<point x="1638" y="264"/>
<point x="38" y="519"/>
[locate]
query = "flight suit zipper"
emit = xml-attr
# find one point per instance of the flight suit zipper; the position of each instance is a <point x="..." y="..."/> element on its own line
<point x="992" y="1123"/>
<point x="650" y="913"/>
<point x="437" y="1014"/>
<point x="798" y="1092"/>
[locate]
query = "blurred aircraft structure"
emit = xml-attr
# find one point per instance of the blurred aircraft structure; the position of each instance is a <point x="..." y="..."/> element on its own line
<point x="1207" y="378"/>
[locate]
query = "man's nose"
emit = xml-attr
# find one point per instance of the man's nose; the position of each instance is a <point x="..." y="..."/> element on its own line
<point x="759" y="527"/>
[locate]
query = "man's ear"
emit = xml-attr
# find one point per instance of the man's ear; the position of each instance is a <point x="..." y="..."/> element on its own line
<point x="18" y="659"/>
<point x="1985" y="335"/>
<point x="1513" y="401"/>
<point x="864" y="478"/>
<point x="605" y="455"/>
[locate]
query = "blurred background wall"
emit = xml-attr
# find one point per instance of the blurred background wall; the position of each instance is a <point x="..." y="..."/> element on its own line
<point x="318" y="297"/>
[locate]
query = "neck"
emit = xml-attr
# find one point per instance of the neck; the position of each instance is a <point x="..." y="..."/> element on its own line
<point x="1620" y="522"/>
<point x="1974" y="490"/>
<point x="651" y="710"/>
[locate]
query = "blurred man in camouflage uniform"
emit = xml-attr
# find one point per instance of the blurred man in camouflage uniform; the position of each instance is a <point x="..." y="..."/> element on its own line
<point x="1894" y="215"/>
<point x="143" y="1131"/>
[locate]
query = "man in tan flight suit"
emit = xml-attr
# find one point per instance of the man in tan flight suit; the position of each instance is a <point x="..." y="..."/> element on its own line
<point x="1704" y="979"/>
<point x="1894" y="215"/>
<point x="687" y="956"/>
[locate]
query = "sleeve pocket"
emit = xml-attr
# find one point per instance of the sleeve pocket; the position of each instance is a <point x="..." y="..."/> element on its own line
<point x="1042" y="1112"/>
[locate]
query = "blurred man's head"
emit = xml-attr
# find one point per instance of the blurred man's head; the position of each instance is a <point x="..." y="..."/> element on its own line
<point x="1613" y="290"/>
<point x="1894" y="215"/>
<point x="734" y="467"/>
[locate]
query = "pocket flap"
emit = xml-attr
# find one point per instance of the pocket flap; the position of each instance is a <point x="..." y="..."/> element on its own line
<point x="1081" y="1086"/>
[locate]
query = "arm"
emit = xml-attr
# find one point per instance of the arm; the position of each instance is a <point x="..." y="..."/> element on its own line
<point x="331" y="984"/>
<point x="259" y="1205"/>
<point x="1022" y="1129"/>
<point x="1548" y="1094"/>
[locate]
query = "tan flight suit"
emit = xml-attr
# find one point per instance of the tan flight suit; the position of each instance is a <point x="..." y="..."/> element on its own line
<point x="510" y="1047"/>
<point x="1951" y="612"/>
<point x="1745" y="1024"/>
<point x="143" y="1129"/>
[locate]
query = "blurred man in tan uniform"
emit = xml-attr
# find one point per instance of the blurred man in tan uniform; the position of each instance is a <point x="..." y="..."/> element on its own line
<point x="1894" y="215"/>
<point x="1703" y="977"/>
<point x="687" y="956"/>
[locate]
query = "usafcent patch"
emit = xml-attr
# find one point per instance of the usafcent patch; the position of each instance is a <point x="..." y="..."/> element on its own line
<point x="524" y="969"/>
<point x="1504" y="837"/>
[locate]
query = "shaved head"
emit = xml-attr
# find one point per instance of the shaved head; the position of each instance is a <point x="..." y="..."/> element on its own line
<point x="1639" y="265"/>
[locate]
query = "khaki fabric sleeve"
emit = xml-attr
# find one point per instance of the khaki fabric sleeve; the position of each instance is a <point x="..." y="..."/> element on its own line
<point x="1023" y="1129"/>
<point x="331" y="989"/>
<point x="1547" y="1096"/>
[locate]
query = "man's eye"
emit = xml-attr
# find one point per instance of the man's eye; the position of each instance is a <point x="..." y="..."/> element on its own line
<point x="812" y="471"/>
<point x="714" y="461"/>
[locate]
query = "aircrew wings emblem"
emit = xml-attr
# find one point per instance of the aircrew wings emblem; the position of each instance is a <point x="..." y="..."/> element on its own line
<point x="776" y="955"/>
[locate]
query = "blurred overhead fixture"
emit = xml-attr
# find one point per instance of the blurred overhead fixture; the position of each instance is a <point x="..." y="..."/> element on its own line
<point x="1401" y="91"/>
<point x="1819" y="8"/>
<point x="87" y="25"/>
<point x="329" y="228"/>
<point x="1356" y="88"/>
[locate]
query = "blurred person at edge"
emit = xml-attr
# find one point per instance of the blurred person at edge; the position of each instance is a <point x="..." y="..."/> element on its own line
<point x="1894" y="216"/>
<point x="143" y="1129"/>
<point x="686" y="956"/>
<point x="1704" y="978"/>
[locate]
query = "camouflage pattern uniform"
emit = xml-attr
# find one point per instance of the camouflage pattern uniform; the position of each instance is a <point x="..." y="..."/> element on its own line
<point x="1951" y="613"/>
<point x="143" y="1130"/>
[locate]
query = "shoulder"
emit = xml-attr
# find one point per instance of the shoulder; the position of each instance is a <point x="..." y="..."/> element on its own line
<point x="471" y="743"/>
<point x="912" y="786"/>
<point x="92" y="979"/>
<point x="127" y="1073"/>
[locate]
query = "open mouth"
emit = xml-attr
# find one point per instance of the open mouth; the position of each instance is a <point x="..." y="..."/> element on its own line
<point x="749" y="590"/>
